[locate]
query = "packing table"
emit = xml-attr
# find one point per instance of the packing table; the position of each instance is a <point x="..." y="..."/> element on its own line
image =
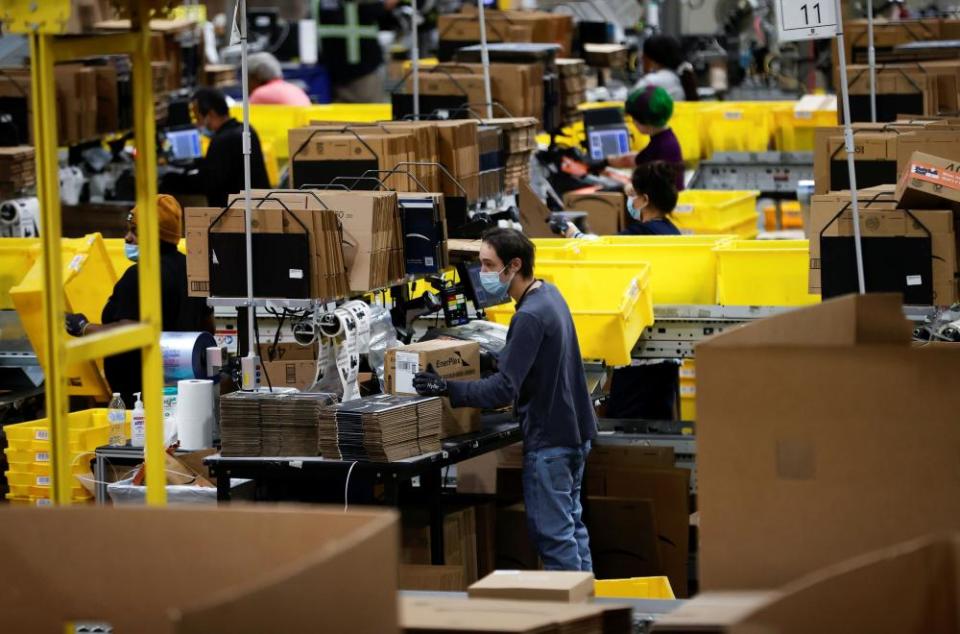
<point x="316" y="479"/>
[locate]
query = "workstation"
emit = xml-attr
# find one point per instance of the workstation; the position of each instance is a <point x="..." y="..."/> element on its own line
<point x="532" y="316"/>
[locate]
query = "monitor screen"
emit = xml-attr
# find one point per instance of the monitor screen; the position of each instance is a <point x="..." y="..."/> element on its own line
<point x="184" y="144"/>
<point x="480" y="296"/>
<point x="608" y="142"/>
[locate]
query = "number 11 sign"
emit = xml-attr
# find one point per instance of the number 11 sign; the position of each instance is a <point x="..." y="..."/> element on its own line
<point x="806" y="20"/>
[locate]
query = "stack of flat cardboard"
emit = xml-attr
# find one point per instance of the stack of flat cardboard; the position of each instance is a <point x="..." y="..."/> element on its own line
<point x="17" y="169"/>
<point x="220" y="75"/>
<point x="381" y="428"/>
<point x="462" y="29"/>
<point x="424" y="233"/>
<point x="240" y="424"/>
<point x="491" y="165"/>
<point x="534" y="585"/>
<point x="519" y="143"/>
<point x="896" y="258"/>
<point x="77" y="103"/>
<point x="517" y="87"/>
<point x="451" y="359"/>
<point x="922" y="88"/>
<point x="573" y="87"/>
<point x="166" y="45"/>
<point x="606" y="55"/>
<point x="325" y="237"/>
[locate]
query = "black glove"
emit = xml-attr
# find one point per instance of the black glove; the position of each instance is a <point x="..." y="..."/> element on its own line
<point x="429" y="383"/>
<point x="76" y="322"/>
<point x="595" y="167"/>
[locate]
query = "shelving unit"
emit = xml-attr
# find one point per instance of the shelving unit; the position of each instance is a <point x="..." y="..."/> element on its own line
<point x="43" y="23"/>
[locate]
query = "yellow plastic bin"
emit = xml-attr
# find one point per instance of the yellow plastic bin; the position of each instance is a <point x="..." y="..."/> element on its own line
<point x="739" y="126"/>
<point x="87" y="430"/>
<point x="764" y="273"/>
<point x="687" y="125"/>
<point x="610" y="303"/>
<point x="17" y="256"/>
<point x="548" y="249"/>
<point x="88" y="280"/>
<point x="634" y="588"/>
<point x="717" y="212"/>
<point x="795" y="126"/>
<point x="688" y="390"/>
<point x="683" y="269"/>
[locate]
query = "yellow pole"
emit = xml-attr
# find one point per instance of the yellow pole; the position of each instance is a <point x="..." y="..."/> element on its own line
<point x="148" y="238"/>
<point x="43" y="102"/>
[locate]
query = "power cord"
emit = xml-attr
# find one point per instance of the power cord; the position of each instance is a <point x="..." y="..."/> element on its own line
<point x="346" y="487"/>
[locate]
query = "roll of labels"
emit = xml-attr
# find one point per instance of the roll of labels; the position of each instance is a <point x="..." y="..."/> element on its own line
<point x="342" y="336"/>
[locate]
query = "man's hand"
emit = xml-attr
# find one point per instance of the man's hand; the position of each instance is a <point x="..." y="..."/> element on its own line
<point x="429" y="383"/>
<point x="595" y="167"/>
<point x="76" y="323"/>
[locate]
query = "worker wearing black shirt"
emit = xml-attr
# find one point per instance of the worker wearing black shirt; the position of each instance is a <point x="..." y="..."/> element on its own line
<point x="221" y="170"/>
<point x="179" y="312"/>
<point x="540" y="372"/>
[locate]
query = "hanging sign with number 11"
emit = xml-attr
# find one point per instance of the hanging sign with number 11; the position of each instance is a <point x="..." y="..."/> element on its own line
<point x="806" y="20"/>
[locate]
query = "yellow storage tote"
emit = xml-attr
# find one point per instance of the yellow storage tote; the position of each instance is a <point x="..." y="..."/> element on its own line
<point x="795" y="126"/>
<point x="764" y="273"/>
<point x="611" y="305"/>
<point x="548" y="249"/>
<point x="87" y="430"/>
<point x="683" y="269"/>
<point x="634" y="588"/>
<point x="17" y="255"/>
<point x="272" y="123"/>
<point x="88" y="280"/>
<point x="704" y="211"/>
<point x="740" y="126"/>
<point x="687" y="125"/>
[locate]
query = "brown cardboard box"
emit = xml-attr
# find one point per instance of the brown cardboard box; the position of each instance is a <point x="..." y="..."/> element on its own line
<point x="312" y="566"/>
<point x="605" y="210"/>
<point x="882" y="152"/>
<point x="780" y="492"/>
<point x="514" y="549"/>
<point x="867" y="594"/>
<point x="879" y="217"/>
<point x="454" y="360"/>
<point x="419" y="614"/>
<point x="108" y="99"/>
<point x="534" y="213"/>
<point x="319" y="155"/>
<point x="459" y="541"/>
<point x="534" y="585"/>
<point x="623" y="538"/>
<point x="929" y="182"/>
<point x="196" y="226"/>
<point x="431" y="578"/>
<point x="712" y="612"/>
<point x="926" y="88"/>
<point x="289" y="364"/>
<point x="517" y="87"/>
<point x="458" y="146"/>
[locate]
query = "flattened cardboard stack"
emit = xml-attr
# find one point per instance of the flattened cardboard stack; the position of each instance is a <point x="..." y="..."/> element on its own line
<point x="519" y="143"/>
<point x="424" y="232"/>
<point x="271" y="424"/>
<point x="491" y="166"/>
<point x="419" y="614"/>
<point x="220" y="75"/>
<point x="517" y="87"/>
<point x="573" y="87"/>
<point x="381" y="428"/>
<point x="922" y="88"/>
<point x="463" y="29"/>
<point x="606" y="55"/>
<point x="17" y="169"/>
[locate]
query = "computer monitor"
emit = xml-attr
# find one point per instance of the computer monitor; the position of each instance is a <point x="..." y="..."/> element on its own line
<point x="481" y="299"/>
<point x="612" y="141"/>
<point x="184" y="144"/>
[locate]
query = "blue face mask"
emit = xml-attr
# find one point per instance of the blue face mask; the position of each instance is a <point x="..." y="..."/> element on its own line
<point x="132" y="251"/>
<point x="490" y="280"/>
<point x="635" y="213"/>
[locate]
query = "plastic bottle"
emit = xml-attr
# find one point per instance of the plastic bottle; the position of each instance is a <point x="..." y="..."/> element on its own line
<point x="117" y="417"/>
<point x="138" y="424"/>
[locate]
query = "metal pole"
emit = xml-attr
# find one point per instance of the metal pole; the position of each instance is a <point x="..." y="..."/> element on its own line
<point x="485" y="59"/>
<point x="250" y="373"/>
<point x="415" y="58"/>
<point x="871" y="61"/>
<point x="849" y="146"/>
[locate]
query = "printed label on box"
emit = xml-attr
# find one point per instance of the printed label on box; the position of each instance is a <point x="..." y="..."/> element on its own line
<point x="936" y="175"/>
<point x="914" y="280"/>
<point x="43" y="481"/>
<point x="296" y="274"/>
<point x="407" y="364"/>
<point x="42" y="456"/>
<point x="42" y="434"/>
<point x="683" y="209"/>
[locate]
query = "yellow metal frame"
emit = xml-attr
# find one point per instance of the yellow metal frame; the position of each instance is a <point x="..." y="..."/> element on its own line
<point x="46" y="50"/>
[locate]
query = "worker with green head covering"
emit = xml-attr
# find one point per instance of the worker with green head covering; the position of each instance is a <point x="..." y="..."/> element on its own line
<point x="651" y="109"/>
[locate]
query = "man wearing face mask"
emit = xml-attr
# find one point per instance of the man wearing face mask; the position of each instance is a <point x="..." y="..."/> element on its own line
<point x="180" y="313"/>
<point x="541" y="373"/>
<point x="221" y="170"/>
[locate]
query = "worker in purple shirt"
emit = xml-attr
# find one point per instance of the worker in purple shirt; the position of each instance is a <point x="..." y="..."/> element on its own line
<point x="651" y="109"/>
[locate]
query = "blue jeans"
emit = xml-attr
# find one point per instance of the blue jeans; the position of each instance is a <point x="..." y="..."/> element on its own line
<point x="552" y="479"/>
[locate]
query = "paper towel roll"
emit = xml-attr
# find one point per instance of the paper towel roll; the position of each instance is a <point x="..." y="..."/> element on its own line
<point x="195" y="414"/>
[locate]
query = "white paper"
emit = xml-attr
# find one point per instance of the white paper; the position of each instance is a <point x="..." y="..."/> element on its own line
<point x="914" y="280"/>
<point x="806" y="19"/>
<point x="407" y="364"/>
<point x="348" y="355"/>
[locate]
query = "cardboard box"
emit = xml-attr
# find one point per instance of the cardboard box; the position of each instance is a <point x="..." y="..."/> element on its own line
<point x="454" y="616"/>
<point x="312" y="566"/>
<point x="868" y="594"/>
<point x="459" y="541"/>
<point x="816" y="480"/>
<point x="196" y="227"/>
<point x="605" y="210"/>
<point x="879" y="218"/>
<point x="431" y="578"/>
<point x="540" y="585"/>
<point x="712" y="612"/>
<point x="929" y="182"/>
<point x="882" y="152"/>
<point x="454" y="360"/>
<point x="319" y="155"/>
<point x="922" y="88"/>
<point x="515" y="551"/>
<point x="516" y="87"/>
<point x="534" y="213"/>
<point x="289" y="364"/>
<point x="108" y="98"/>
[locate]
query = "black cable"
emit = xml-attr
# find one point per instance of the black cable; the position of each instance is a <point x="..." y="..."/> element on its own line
<point x="256" y="336"/>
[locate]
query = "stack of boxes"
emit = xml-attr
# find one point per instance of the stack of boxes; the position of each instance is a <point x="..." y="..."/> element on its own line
<point x="463" y="29"/>
<point x="519" y="144"/>
<point x="573" y="87"/>
<point x="17" y="169"/>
